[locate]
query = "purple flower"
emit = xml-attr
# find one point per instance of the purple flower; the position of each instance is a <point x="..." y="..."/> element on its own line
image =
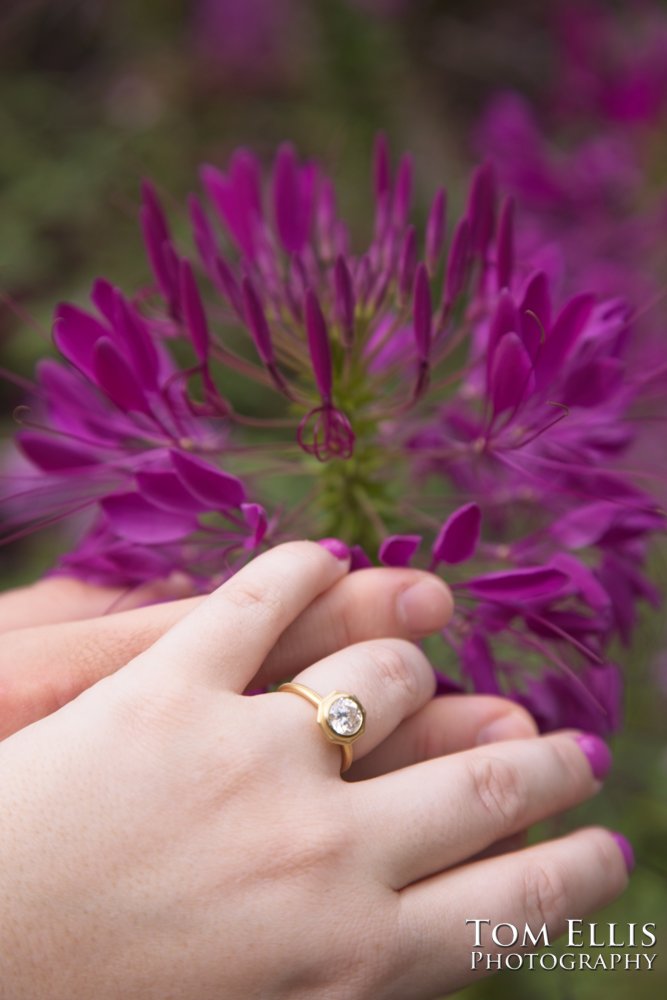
<point x="584" y="167"/>
<point x="423" y="393"/>
<point x="117" y="434"/>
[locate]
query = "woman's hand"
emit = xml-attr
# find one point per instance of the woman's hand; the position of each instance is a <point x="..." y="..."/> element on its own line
<point x="164" y="837"/>
<point x="60" y="636"/>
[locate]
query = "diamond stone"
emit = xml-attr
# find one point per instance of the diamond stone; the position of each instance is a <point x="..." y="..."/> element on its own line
<point x="345" y="716"/>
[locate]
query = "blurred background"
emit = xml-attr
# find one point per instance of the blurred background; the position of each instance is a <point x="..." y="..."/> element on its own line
<point x="571" y="103"/>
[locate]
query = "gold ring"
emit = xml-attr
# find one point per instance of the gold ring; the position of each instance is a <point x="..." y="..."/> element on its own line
<point x="340" y="716"/>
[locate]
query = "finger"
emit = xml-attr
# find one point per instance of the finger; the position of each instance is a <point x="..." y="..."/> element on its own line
<point x="391" y="678"/>
<point x="41" y="669"/>
<point x="226" y="638"/>
<point x="447" y="725"/>
<point x="403" y="603"/>
<point x="464" y="803"/>
<point x="44" y="668"/>
<point x="64" y="599"/>
<point x="546" y="884"/>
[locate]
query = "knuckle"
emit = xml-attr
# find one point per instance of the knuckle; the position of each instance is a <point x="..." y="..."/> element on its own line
<point x="394" y="665"/>
<point x="245" y="595"/>
<point x="545" y="895"/>
<point x="317" y="854"/>
<point x="499" y="790"/>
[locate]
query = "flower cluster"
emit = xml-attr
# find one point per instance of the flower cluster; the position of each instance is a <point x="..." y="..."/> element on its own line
<point x="585" y="161"/>
<point x="429" y="400"/>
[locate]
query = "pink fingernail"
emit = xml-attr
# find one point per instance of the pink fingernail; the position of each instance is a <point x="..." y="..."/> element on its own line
<point x="626" y="850"/>
<point x="335" y="547"/>
<point x="596" y="752"/>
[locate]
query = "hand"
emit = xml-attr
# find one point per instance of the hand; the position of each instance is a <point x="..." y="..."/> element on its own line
<point x="165" y="838"/>
<point x="60" y="636"/>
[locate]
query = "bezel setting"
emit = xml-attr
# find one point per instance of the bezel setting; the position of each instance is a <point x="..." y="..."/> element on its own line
<point x="324" y="709"/>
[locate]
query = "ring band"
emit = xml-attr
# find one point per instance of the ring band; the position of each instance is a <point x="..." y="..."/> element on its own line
<point x="340" y="716"/>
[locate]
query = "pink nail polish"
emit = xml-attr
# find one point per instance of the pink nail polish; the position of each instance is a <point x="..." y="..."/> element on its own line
<point x="596" y="752"/>
<point x="335" y="547"/>
<point x="626" y="850"/>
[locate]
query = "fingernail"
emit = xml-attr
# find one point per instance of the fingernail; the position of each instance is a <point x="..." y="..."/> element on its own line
<point x="425" y="606"/>
<point x="511" y="726"/>
<point x="626" y="850"/>
<point x="597" y="753"/>
<point x="335" y="547"/>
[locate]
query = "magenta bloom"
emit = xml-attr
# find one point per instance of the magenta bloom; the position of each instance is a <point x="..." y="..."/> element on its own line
<point x="586" y="164"/>
<point x="434" y="401"/>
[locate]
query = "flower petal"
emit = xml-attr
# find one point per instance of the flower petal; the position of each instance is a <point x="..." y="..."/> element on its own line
<point x="293" y="190"/>
<point x="584" y="580"/>
<point x="407" y="262"/>
<point x="133" y="338"/>
<point x="345" y="305"/>
<point x="403" y="192"/>
<point x="458" y="263"/>
<point x="536" y="583"/>
<point x="359" y="559"/>
<point x="256" y="319"/>
<point x="203" y="233"/>
<point x="75" y="333"/>
<point x="167" y="491"/>
<point x="505" y="320"/>
<point x="481" y="208"/>
<point x="435" y="229"/>
<point x="593" y="383"/>
<point x="585" y="525"/>
<point x="256" y="519"/>
<point x="216" y="488"/>
<point x="423" y="313"/>
<point x="459" y="535"/>
<point x="567" y="328"/>
<point x="237" y="199"/>
<point x="136" y="519"/>
<point x="115" y="377"/>
<point x="318" y="343"/>
<point x="193" y="312"/>
<point x="158" y="244"/>
<point x="505" y="245"/>
<point x="511" y="378"/>
<point x="381" y="167"/>
<point x="535" y="313"/>
<point x="55" y="454"/>
<point x="398" y="550"/>
<point x="478" y="663"/>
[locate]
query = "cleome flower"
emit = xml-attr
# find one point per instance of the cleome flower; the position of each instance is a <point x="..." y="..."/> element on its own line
<point x="426" y="397"/>
<point x="586" y="160"/>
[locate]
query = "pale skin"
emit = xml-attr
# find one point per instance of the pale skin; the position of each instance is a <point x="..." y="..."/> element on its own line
<point x="164" y="838"/>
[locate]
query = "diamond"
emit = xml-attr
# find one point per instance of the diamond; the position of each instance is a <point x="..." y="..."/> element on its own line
<point x="345" y="716"/>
